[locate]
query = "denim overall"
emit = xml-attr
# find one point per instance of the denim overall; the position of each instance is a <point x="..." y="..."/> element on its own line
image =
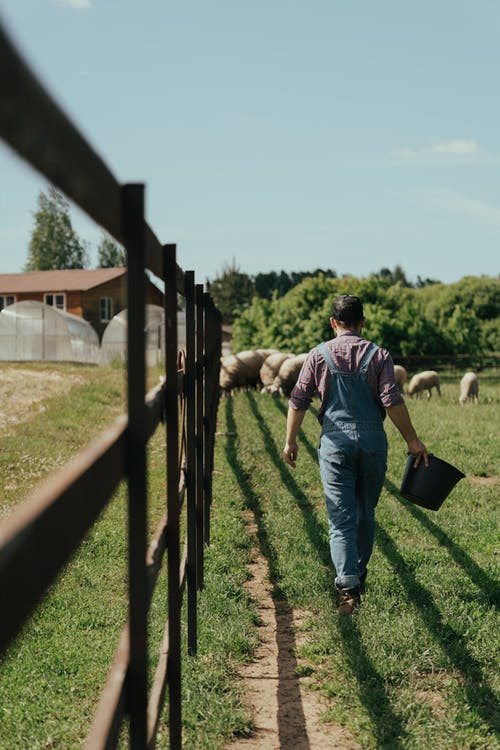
<point x="353" y="461"/>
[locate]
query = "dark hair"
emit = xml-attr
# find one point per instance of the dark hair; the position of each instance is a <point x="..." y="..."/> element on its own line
<point x="348" y="309"/>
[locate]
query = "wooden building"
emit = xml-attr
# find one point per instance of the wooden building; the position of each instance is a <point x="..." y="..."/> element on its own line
<point x="94" y="295"/>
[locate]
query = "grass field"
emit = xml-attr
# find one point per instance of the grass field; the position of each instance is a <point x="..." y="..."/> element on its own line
<point x="416" y="666"/>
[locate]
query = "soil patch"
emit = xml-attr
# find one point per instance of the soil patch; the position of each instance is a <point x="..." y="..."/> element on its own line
<point x="286" y="714"/>
<point x="484" y="481"/>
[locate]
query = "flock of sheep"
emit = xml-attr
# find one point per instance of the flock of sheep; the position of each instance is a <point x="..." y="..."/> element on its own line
<point x="271" y="370"/>
<point x="276" y="373"/>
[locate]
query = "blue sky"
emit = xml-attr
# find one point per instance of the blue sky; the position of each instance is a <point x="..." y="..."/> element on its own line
<point x="283" y="135"/>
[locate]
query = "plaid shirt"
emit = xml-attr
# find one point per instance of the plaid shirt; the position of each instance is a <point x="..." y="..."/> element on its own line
<point x="346" y="351"/>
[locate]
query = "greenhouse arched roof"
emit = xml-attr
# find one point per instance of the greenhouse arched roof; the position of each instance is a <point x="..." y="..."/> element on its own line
<point x="33" y="331"/>
<point x="114" y="339"/>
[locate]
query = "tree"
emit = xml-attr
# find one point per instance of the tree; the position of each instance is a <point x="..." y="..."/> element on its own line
<point x="268" y="283"/>
<point x="265" y="284"/>
<point x="109" y="254"/>
<point x="393" y="277"/>
<point x="232" y="291"/>
<point x="294" y="322"/>
<point x="54" y="244"/>
<point x="425" y="282"/>
<point x="460" y="318"/>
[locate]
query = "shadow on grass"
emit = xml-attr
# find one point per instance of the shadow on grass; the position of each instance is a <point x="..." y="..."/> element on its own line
<point x="372" y="691"/>
<point x="479" y="577"/>
<point x="289" y="699"/>
<point x="315" y="530"/>
<point x="313" y="452"/>
<point x="387" y="726"/>
<point x="479" y="695"/>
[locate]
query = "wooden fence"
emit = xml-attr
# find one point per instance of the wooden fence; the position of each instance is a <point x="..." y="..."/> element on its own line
<point x="41" y="535"/>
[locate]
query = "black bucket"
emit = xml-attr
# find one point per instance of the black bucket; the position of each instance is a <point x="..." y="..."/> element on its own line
<point x="429" y="486"/>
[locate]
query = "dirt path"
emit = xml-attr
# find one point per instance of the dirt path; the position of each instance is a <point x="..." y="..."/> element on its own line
<point x="286" y="714"/>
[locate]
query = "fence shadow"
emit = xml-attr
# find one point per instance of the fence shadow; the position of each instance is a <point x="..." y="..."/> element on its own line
<point x="371" y="686"/>
<point x="388" y="727"/>
<point x="289" y="700"/>
<point x="315" y="530"/>
<point x="480" y="696"/>
<point x="478" y="576"/>
<point x="312" y="451"/>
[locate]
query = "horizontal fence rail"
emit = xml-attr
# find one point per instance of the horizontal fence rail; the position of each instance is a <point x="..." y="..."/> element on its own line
<point x="47" y="527"/>
<point x="453" y="362"/>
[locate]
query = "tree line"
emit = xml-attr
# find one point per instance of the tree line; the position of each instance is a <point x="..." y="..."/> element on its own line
<point x="462" y="318"/>
<point x="233" y="290"/>
<point x="55" y="245"/>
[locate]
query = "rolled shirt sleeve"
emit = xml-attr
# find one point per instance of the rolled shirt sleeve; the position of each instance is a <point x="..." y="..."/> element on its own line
<point x="306" y="386"/>
<point x="388" y="391"/>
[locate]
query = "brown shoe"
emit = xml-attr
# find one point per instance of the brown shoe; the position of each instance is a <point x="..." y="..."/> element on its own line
<point x="349" y="600"/>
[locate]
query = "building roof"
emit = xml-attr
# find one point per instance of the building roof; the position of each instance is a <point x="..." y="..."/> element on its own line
<point x="70" y="280"/>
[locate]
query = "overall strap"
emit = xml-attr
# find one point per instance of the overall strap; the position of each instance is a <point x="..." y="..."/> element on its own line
<point x="367" y="357"/>
<point x="326" y="356"/>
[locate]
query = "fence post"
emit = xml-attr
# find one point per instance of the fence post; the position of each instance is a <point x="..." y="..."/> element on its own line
<point x="209" y="344"/>
<point x="173" y="509"/>
<point x="200" y="384"/>
<point x="191" y="459"/>
<point x="134" y="235"/>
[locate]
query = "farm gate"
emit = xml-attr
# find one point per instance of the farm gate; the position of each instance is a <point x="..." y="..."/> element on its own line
<point x="38" y="538"/>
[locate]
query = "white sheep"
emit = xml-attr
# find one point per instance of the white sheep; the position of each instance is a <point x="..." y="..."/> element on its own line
<point x="424" y="381"/>
<point x="241" y="370"/>
<point x="288" y="375"/>
<point x="270" y="369"/>
<point x="400" y="376"/>
<point x="469" y="388"/>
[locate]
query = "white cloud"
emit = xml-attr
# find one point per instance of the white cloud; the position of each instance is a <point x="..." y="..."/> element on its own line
<point x="456" y="148"/>
<point x="480" y="211"/>
<point x="78" y="4"/>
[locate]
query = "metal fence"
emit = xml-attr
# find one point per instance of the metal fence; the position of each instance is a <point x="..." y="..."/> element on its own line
<point x="40" y="536"/>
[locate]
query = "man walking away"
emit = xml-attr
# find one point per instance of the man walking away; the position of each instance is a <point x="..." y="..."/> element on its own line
<point x="355" y="381"/>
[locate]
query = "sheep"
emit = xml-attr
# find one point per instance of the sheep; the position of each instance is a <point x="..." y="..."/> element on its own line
<point x="400" y="376"/>
<point x="469" y="388"/>
<point x="242" y="369"/>
<point x="270" y="369"/>
<point x="288" y="375"/>
<point x="424" y="381"/>
<point x="267" y="352"/>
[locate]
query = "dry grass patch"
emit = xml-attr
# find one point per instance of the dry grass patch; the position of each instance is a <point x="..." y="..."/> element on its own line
<point x="24" y="390"/>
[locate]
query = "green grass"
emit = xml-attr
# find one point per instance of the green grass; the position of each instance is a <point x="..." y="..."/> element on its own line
<point x="52" y="676"/>
<point x="416" y="666"/>
<point x="419" y="663"/>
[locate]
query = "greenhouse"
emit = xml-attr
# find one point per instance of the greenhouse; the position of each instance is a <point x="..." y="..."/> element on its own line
<point x="32" y="331"/>
<point x="114" y="340"/>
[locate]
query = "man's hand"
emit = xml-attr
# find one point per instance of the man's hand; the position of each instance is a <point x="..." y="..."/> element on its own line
<point x="418" y="450"/>
<point x="293" y="423"/>
<point x="398" y="414"/>
<point x="290" y="453"/>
